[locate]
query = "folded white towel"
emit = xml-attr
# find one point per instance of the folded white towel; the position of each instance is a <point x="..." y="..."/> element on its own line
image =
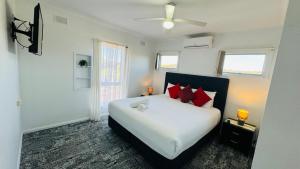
<point x="142" y="107"/>
<point x="137" y="103"/>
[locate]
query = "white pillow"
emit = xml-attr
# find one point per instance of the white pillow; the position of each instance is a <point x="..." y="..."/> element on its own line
<point x="167" y="92"/>
<point x="210" y="103"/>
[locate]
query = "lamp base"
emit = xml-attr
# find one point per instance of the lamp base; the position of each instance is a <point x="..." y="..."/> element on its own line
<point x="240" y="122"/>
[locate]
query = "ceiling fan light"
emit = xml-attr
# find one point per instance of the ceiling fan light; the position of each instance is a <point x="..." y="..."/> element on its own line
<point x="168" y="24"/>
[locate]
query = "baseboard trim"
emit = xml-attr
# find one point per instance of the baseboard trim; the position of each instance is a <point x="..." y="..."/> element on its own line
<point x="54" y="125"/>
<point x="20" y="151"/>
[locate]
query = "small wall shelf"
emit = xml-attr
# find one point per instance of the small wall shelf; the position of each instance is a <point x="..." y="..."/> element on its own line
<point x="82" y="74"/>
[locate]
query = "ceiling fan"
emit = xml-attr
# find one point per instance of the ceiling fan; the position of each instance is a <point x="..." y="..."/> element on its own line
<point x="169" y="21"/>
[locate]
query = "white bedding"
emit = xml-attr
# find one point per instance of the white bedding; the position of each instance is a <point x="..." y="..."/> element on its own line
<point x="168" y="126"/>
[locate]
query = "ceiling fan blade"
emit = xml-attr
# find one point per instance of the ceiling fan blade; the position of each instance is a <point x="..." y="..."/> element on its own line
<point x="170" y="9"/>
<point x="193" y="22"/>
<point x="149" y="19"/>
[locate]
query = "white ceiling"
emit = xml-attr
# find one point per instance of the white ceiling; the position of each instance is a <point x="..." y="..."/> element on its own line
<point x="221" y="15"/>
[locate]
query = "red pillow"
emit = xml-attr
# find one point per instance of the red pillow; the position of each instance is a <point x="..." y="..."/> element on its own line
<point x="186" y="94"/>
<point x="200" y="97"/>
<point x="174" y="90"/>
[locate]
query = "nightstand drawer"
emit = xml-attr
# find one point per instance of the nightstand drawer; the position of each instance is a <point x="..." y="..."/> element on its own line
<point x="241" y="139"/>
<point x="238" y="143"/>
<point x="239" y="132"/>
<point x="234" y="142"/>
<point x="236" y="133"/>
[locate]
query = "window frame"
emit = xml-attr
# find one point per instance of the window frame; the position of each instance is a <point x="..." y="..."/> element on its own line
<point x="168" y="53"/>
<point x="268" y="52"/>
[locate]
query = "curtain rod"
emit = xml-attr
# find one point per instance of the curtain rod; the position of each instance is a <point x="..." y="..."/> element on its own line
<point x="161" y="51"/>
<point x="115" y="43"/>
<point x="267" y="48"/>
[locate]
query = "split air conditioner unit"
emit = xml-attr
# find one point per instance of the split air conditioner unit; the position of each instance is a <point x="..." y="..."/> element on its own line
<point x="198" y="43"/>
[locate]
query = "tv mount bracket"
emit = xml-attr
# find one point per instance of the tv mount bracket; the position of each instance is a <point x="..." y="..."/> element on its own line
<point x="15" y="29"/>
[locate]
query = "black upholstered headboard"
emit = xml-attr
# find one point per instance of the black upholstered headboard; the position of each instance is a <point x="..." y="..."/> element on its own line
<point x="214" y="84"/>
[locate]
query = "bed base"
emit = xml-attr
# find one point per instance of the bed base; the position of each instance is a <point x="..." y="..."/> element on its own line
<point x="154" y="158"/>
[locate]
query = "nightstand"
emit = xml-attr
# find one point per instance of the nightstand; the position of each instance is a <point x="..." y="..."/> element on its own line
<point x="237" y="136"/>
<point x="146" y="94"/>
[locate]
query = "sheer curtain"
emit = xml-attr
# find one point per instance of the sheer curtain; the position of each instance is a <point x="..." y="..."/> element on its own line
<point x="95" y="83"/>
<point x="113" y="73"/>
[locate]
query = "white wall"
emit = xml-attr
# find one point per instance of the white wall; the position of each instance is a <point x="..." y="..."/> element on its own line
<point x="248" y="92"/>
<point x="278" y="142"/>
<point x="10" y="131"/>
<point x="47" y="81"/>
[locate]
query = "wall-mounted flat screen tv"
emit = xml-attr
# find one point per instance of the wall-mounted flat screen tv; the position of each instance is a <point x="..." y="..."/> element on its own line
<point x="35" y="31"/>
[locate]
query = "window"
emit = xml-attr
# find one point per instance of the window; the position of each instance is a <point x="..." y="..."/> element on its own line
<point x="168" y="60"/>
<point x="249" y="63"/>
<point x="112" y="73"/>
<point x="244" y="64"/>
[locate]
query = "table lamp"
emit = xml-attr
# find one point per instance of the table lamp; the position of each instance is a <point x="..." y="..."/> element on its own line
<point x="150" y="90"/>
<point x="242" y="115"/>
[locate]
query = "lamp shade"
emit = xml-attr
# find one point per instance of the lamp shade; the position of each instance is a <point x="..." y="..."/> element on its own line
<point x="242" y="114"/>
<point x="150" y="90"/>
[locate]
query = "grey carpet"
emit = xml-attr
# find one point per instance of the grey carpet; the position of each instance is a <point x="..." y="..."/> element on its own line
<point x="93" y="145"/>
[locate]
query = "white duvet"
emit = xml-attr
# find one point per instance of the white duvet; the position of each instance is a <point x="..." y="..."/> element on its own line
<point x="168" y="126"/>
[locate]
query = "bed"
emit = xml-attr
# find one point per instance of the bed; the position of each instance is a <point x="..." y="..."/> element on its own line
<point x="169" y="132"/>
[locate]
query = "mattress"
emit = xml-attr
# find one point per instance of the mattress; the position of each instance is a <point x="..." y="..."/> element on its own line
<point x="168" y="126"/>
